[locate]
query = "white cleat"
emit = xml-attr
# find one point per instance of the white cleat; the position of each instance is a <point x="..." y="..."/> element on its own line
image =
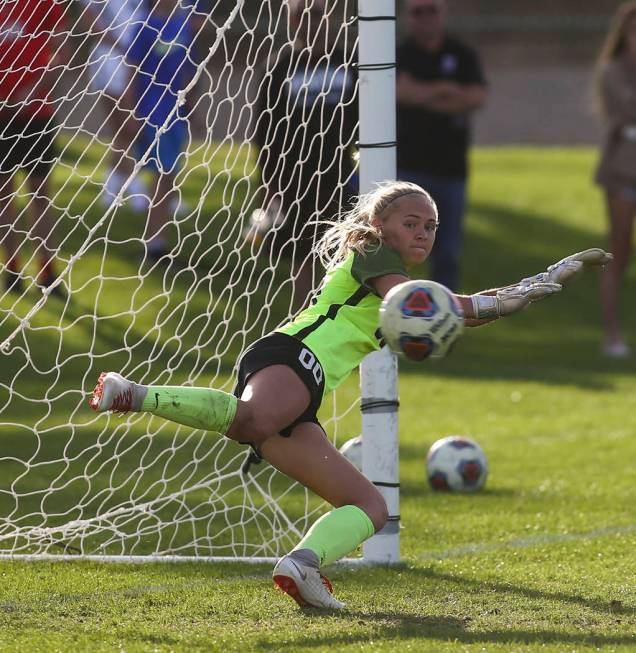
<point x="112" y="392"/>
<point x="306" y="585"/>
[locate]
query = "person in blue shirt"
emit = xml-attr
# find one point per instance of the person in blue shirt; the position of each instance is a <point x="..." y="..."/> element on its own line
<point x="162" y="53"/>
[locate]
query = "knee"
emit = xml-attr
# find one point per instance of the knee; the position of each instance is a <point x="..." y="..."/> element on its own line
<point x="376" y="510"/>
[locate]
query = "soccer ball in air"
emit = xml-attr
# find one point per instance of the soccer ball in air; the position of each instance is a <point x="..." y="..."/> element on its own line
<point x="457" y="464"/>
<point x="421" y="319"/>
<point x="352" y="451"/>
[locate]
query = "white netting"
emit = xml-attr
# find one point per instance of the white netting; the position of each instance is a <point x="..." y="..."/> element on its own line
<point x="164" y="277"/>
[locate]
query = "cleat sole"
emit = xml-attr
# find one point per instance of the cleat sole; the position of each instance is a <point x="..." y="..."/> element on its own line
<point x="95" y="400"/>
<point x="287" y="585"/>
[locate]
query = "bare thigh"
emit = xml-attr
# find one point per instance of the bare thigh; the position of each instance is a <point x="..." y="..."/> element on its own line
<point x="273" y="398"/>
<point x="308" y="457"/>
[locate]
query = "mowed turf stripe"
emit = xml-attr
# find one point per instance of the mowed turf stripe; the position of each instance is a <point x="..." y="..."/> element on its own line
<point x="525" y="542"/>
<point x="56" y="599"/>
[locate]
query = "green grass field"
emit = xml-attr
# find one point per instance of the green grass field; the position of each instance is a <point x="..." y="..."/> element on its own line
<point x="542" y="560"/>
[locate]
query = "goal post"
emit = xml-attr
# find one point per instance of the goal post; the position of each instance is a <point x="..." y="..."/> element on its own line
<point x="196" y="179"/>
<point x="378" y="371"/>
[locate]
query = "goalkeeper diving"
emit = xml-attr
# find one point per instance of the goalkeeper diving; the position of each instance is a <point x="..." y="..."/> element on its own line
<point x="283" y="377"/>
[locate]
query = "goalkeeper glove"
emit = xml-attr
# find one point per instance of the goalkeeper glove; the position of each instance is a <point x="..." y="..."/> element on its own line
<point x="570" y="266"/>
<point x="512" y="299"/>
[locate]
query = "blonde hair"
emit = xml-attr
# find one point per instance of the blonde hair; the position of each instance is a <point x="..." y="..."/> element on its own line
<point x="356" y="229"/>
<point x="613" y="47"/>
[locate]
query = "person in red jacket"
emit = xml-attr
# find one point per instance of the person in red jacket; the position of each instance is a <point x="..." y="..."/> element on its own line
<point x="29" y="58"/>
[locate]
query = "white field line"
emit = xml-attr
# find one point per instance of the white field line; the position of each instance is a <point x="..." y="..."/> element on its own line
<point x="525" y="542"/>
<point x="212" y="583"/>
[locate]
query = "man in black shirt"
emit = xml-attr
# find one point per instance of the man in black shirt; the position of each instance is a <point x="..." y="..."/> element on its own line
<point x="306" y="130"/>
<point x="439" y="83"/>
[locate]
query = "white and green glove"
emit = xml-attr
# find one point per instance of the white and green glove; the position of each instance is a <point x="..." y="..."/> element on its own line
<point x="567" y="268"/>
<point x="512" y="299"/>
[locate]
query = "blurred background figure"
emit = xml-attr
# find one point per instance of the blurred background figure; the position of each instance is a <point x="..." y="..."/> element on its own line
<point x="31" y="49"/>
<point x="616" y="172"/>
<point x="161" y="51"/>
<point x="113" y="24"/>
<point x="307" y="117"/>
<point x="439" y="83"/>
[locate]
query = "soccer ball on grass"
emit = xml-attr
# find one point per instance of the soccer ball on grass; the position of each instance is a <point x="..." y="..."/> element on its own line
<point x="456" y="464"/>
<point x="421" y="319"/>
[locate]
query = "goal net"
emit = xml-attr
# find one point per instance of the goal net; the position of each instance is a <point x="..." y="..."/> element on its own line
<point x="162" y="168"/>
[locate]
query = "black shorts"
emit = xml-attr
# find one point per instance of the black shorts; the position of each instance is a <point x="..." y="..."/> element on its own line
<point x="26" y="144"/>
<point x="281" y="349"/>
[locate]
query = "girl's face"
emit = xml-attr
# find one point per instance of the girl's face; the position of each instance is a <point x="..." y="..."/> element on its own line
<point x="409" y="228"/>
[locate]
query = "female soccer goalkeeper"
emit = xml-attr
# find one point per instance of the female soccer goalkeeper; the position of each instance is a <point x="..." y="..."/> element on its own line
<point x="283" y="376"/>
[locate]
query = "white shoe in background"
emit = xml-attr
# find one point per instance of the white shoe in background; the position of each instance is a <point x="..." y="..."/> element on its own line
<point x="617" y="349"/>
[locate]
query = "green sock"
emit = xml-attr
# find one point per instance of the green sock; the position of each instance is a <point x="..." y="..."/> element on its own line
<point x="201" y="408"/>
<point x="337" y="533"/>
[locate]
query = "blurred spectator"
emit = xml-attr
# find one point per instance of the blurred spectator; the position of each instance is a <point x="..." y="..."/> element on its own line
<point x="306" y="117"/>
<point x="31" y="49"/>
<point x="616" y="172"/>
<point x="439" y="83"/>
<point x="162" y="54"/>
<point x="113" y="24"/>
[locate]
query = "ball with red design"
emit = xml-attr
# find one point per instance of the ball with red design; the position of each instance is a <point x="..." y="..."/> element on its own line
<point x="421" y="319"/>
<point x="456" y="464"/>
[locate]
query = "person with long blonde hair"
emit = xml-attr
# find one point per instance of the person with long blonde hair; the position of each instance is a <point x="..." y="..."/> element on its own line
<point x="283" y="377"/>
<point x="615" y="88"/>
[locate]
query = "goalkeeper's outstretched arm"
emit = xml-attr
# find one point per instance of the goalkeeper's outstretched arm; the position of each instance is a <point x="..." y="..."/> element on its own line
<point x="485" y="306"/>
<point x="490" y="305"/>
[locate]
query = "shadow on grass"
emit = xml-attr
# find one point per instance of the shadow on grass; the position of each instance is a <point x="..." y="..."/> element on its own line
<point x="382" y="626"/>
<point x="398" y="627"/>
<point x="605" y="607"/>
<point x="553" y="369"/>
<point x="518" y="242"/>
<point x="350" y="626"/>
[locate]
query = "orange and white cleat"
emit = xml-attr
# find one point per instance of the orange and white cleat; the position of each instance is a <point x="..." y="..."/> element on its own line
<point x="113" y="392"/>
<point x="306" y="585"/>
